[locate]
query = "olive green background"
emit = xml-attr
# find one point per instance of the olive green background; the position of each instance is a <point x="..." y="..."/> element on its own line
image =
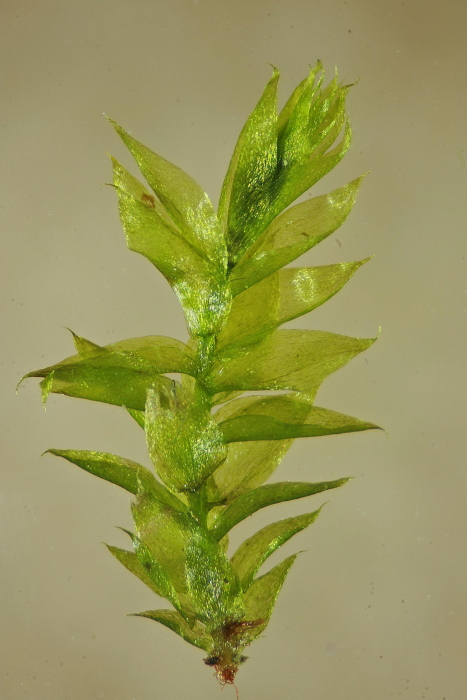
<point x="375" y="607"/>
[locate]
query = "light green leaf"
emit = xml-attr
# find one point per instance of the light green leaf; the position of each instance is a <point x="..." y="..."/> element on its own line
<point x="267" y="495"/>
<point x="247" y="466"/>
<point x="251" y="172"/>
<point x="195" y="635"/>
<point x="291" y="103"/>
<point x="184" y="441"/>
<point x="292" y="233"/>
<point x="281" y="297"/>
<point x="285" y="418"/>
<point x="199" y="283"/>
<point x="131" y="562"/>
<point x="286" y="359"/>
<point x="256" y="549"/>
<point x="187" y="204"/>
<point x="261" y="596"/>
<point x="122" y="472"/>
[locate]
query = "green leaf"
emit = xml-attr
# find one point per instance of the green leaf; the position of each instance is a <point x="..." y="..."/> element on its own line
<point x="192" y="559"/>
<point x="119" y="373"/>
<point x="286" y="359"/>
<point x="256" y="549"/>
<point x="261" y="596"/>
<point x="184" y="441"/>
<point x="122" y="472"/>
<point x="267" y="495"/>
<point x="286" y="418"/>
<point x="245" y="193"/>
<point x="292" y="233"/>
<point x="195" y="635"/>
<point x="247" y="466"/>
<point x="281" y="297"/>
<point x="131" y="562"/>
<point x="184" y="200"/>
<point x="199" y="283"/>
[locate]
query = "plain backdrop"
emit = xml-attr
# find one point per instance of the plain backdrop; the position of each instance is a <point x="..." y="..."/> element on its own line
<point x="375" y="608"/>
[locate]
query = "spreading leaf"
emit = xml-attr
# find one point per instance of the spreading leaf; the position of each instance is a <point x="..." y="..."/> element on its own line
<point x="122" y="472"/>
<point x="267" y="495"/>
<point x="281" y="297"/>
<point x="256" y="549"/>
<point x="119" y="373"/>
<point x="286" y="418"/>
<point x="195" y="635"/>
<point x="286" y="359"/>
<point x="292" y="233"/>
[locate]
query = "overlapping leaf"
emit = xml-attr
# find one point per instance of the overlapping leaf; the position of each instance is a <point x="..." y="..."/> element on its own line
<point x="192" y="559"/>
<point x="184" y="441"/>
<point x="195" y="634"/>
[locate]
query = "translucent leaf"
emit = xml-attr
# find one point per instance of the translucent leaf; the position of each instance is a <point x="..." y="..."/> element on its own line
<point x="187" y="204"/>
<point x="281" y="297"/>
<point x="131" y="562"/>
<point x="251" y="172"/>
<point x="292" y="233"/>
<point x="285" y="418"/>
<point x="195" y="635"/>
<point x="199" y="284"/>
<point x="256" y="549"/>
<point x="122" y="472"/>
<point x="160" y="576"/>
<point x="291" y="103"/>
<point x="192" y="559"/>
<point x="267" y="495"/>
<point x="117" y="374"/>
<point x="184" y="441"/>
<point x="261" y="596"/>
<point x="286" y="359"/>
<point x="248" y="465"/>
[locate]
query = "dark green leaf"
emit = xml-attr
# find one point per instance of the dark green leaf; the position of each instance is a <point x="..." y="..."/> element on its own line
<point x="256" y="549"/>
<point x="292" y="233"/>
<point x="281" y="297"/>
<point x="267" y="495"/>
<point x="195" y="635"/>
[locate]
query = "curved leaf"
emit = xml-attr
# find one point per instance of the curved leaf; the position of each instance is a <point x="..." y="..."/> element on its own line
<point x="256" y="549"/>
<point x="131" y="562"/>
<point x="195" y="635"/>
<point x="267" y="495"/>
